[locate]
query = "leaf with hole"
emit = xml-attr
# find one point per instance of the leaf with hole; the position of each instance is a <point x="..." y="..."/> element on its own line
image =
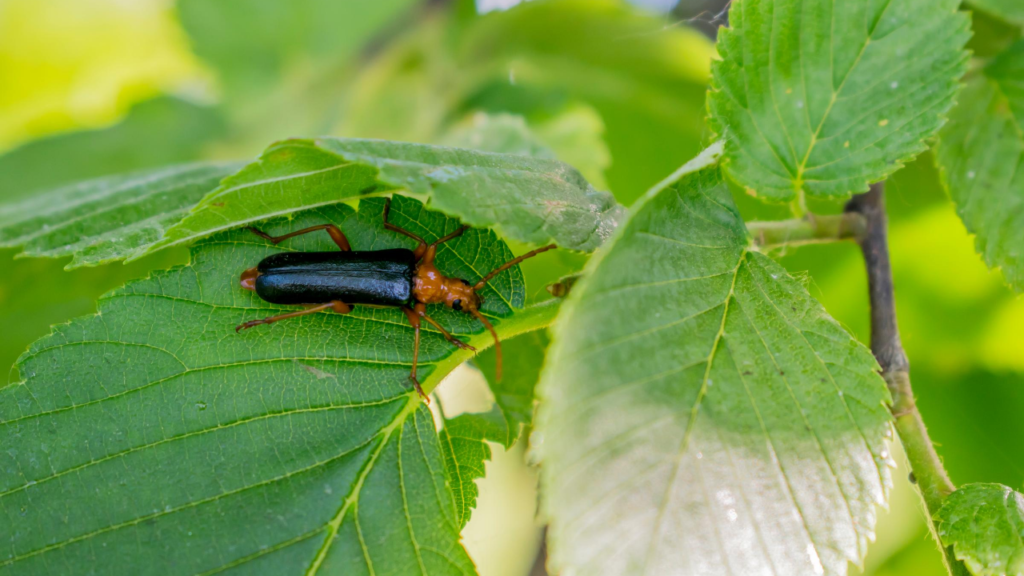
<point x="822" y="98"/>
<point x="152" y="439"/>
<point x="706" y="416"/>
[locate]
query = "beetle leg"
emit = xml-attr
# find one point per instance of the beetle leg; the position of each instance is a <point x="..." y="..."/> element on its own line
<point x="455" y="234"/>
<point x="430" y="252"/>
<point x="336" y="234"/>
<point x="336" y="305"/>
<point x="414" y="319"/>
<point x="421" y="249"/>
<point x="447" y="336"/>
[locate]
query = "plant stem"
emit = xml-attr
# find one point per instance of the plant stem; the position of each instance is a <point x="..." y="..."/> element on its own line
<point x="541" y="559"/>
<point x="811" y="229"/>
<point x="931" y="478"/>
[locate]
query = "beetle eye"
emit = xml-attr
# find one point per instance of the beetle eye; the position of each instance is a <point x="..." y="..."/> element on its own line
<point x="457" y="305"/>
<point x="466" y="282"/>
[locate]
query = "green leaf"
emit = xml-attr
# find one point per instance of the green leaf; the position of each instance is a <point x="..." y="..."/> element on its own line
<point x="981" y="154"/>
<point x="502" y="133"/>
<point x="154" y="133"/>
<point x="577" y="137"/>
<point x="37" y="293"/>
<point x="524" y="357"/>
<point x="152" y="439"/>
<point x="644" y="76"/>
<point x="255" y="44"/>
<point x="1007" y="71"/>
<point x="1009" y="10"/>
<point x="527" y="199"/>
<point x="574" y="136"/>
<point x="824" y="97"/>
<point x="462" y="441"/>
<point x="283" y="67"/>
<point x="984" y="523"/>
<point x="699" y="412"/>
<point x="107" y="219"/>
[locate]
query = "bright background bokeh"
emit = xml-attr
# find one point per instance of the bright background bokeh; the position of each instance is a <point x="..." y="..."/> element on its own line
<point x="91" y="87"/>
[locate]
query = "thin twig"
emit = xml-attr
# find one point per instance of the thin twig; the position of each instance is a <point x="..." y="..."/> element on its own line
<point x="812" y="229"/>
<point x="925" y="464"/>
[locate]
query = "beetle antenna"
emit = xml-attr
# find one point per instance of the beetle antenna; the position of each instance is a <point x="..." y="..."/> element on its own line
<point x="497" y="342"/>
<point x="510" y="264"/>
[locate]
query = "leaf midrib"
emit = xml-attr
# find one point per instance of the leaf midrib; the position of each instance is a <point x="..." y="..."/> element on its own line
<point x="187" y="505"/>
<point x="334" y="525"/>
<point x="799" y="180"/>
<point x="684" y="443"/>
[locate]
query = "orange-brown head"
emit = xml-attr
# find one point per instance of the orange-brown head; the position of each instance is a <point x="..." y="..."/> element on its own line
<point x="462" y="296"/>
<point x="431" y="287"/>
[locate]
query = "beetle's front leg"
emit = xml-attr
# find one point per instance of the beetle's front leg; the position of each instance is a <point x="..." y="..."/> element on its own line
<point x="414" y="319"/>
<point x="421" y="310"/>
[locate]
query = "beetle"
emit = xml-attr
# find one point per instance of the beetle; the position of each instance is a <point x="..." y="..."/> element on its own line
<point x="397" y="277"/>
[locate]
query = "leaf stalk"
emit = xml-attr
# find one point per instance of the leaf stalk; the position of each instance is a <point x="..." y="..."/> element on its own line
<point x="811" y="229"/>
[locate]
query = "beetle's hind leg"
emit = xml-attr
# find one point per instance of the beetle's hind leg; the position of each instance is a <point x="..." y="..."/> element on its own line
<point x="336" y="305"/>
<point x="336" y="234"/>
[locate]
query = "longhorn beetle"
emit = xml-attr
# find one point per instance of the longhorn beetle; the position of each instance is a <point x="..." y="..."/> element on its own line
<point x="397" y="277"/>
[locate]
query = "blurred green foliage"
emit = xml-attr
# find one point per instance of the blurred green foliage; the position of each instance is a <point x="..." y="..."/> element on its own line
<point x="156" y="132"/>
<point x="612" y="89"/>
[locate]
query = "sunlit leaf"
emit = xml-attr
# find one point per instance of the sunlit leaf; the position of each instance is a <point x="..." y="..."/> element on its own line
<point x="699" y="412"/>
<point x="981" y="153"/>
<point x="984" y="523"/>
<point x="824" y="97"/>
<point x="153" y="439"/>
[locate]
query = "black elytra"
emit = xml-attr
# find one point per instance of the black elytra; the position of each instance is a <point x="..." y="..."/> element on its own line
<point x="378" y="277"/>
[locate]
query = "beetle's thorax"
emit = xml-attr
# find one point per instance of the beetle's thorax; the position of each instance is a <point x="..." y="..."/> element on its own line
<point x="431" y="287"/>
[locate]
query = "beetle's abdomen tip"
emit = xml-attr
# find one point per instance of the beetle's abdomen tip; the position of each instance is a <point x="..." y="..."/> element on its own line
<point x="248" y="279"/>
